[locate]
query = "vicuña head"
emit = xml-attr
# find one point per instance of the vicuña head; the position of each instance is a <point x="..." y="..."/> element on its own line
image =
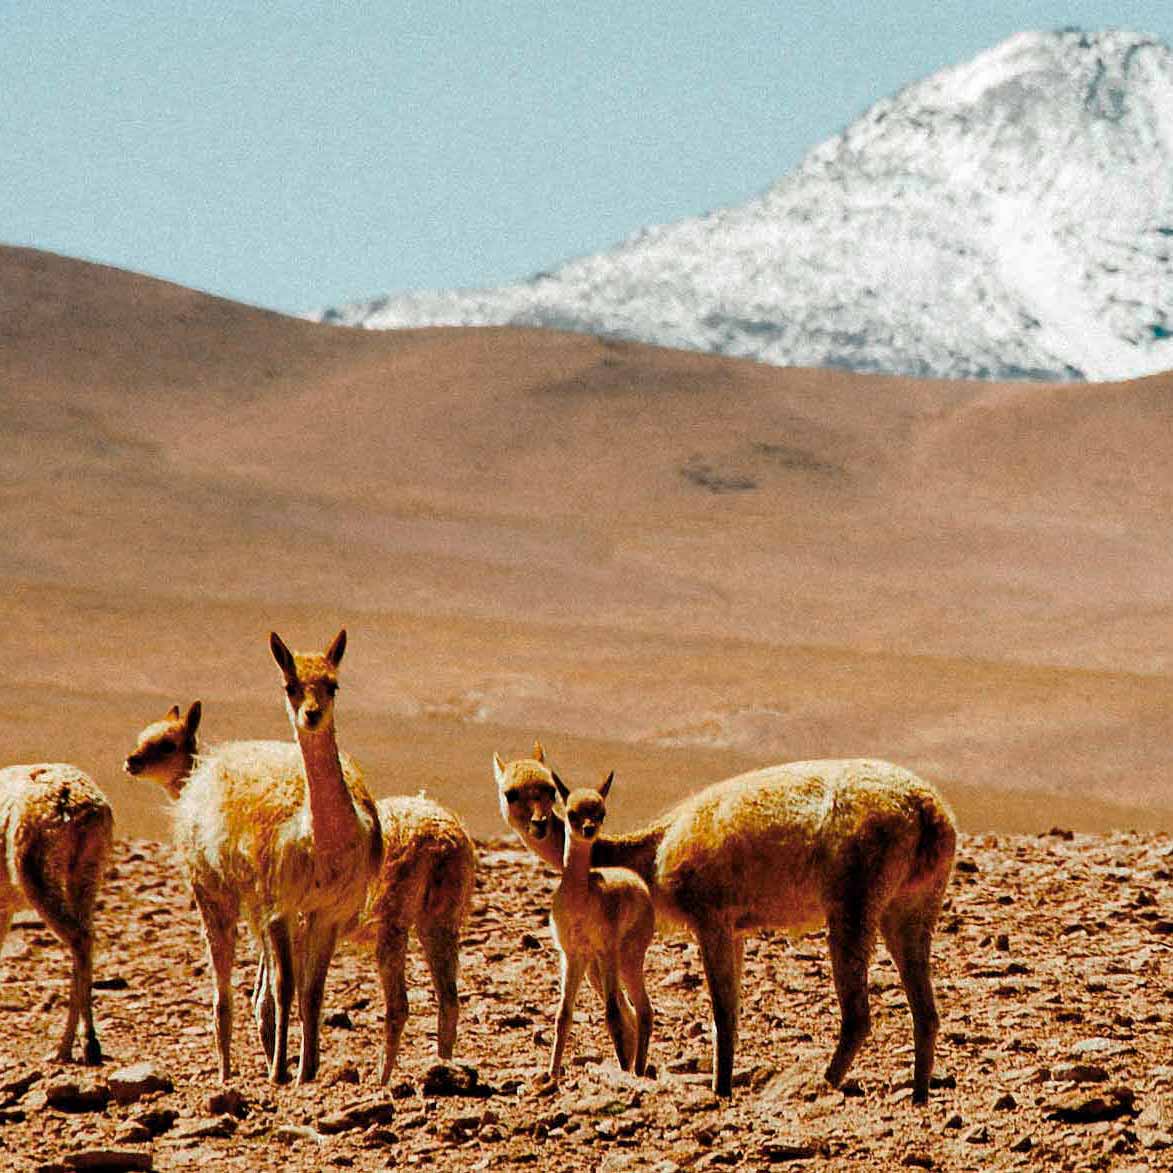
<point x="525" y="790"/>
<point x="586" y="807"/>
<point x="311" y="683"/>
<point x="165" y="749"/>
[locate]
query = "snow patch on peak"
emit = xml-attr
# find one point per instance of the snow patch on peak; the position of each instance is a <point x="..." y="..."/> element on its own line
<point x="1011" y="217"/>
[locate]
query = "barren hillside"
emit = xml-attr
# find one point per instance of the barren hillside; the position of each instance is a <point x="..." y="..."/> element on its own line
<point x="670" y="564"/>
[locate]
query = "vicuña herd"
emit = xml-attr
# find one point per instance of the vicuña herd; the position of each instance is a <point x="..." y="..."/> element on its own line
<point x="288" y="835"/>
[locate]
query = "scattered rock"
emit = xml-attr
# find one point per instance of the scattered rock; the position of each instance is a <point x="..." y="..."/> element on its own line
<point x="454" y="1079"/>
<point x="157" y="1120"/>
<point x="130" y="1084"/>
<point x="68" y="1095"/>
<point x="109" y="1161"/>
<point x="1086" y="1107"/>
<point x="227" y="1102"/>
<point x="217" y="1127"/>
<point x="777" y="1151"/>
<point x="292" y="1133"/>
<point x="1079" y="1073"/>
<point x="14" y="1088"/>
<point x="1005" y="1103"/>
<point x="918" y="1159"/>
<point x="360" y="1115"/>
<point x="1023" y="1144"/>
<point x="339" y="1019"/>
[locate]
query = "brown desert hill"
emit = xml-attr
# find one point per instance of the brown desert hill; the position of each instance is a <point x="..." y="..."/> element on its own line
<point x="671" y="564"/>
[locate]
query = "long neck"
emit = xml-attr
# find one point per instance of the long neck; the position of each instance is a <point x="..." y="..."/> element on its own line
<point x="174" y="785"/>
<point x="636" y="851"/>
<point x="332" y="812"/>
<point x="576" y="865"/>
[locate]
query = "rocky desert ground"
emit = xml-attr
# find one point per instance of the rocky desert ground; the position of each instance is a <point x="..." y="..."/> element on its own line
<point x="1054" y="972"/>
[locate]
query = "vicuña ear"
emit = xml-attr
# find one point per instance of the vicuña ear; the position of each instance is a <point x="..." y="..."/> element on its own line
<point x="562" y="788"/>
<point x="337" y="648"/>
<point x="538" y="755"/>
<point x="605" y="785"/>
<point x="282" y="654"/>
<point x="192" y="720"/>
<point x="498" y="769"/>
<point x="173" y="713"/>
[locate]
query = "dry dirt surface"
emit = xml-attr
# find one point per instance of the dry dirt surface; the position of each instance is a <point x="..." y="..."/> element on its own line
<point x="1054" y="972"/>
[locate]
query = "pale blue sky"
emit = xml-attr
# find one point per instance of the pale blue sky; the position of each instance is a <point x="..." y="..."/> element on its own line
<point x="300" y="154"/>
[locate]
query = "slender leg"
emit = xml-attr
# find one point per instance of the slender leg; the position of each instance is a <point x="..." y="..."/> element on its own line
<point x="595" y="977"/>
<point x="74" y="933"/>
<point x="908" y="934"/>
<point x="441" y="945"/>
<point x="572" y="973"/>
<point x="721" y="952"/>
<point x="264" y="1006"/>
<point x="852" y="936"/>
<point x="219" y="918"/>
<point x="279" y="955"/>
<point x="320" y="940"/>
<point x="633" y="979"/>
<point x="391" y="959"/>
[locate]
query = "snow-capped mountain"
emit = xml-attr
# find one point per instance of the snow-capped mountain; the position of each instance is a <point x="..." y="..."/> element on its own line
<point x="1007" y="218"/>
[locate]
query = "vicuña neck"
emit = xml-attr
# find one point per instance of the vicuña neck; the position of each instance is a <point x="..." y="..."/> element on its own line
<point x="332" y="812"/>
<point x="576" y="863"/>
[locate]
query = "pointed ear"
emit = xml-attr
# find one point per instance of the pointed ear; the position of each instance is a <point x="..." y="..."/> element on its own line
<point x="335" y="651"/>
<point x="498" y="769"/>
<point x="538" y="755"/>
<point x="173" y="713"/>
<point x="562" y="789"/>
<point x="605" y="786"/>
<point x="192" y="720"/>
<point x="282" y="654"/>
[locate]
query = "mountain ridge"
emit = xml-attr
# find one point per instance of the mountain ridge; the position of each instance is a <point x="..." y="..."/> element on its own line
<point x="1010" y="217"/>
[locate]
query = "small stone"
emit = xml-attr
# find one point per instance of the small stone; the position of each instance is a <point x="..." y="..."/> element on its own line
<point x="1086" y="1107"/>
<point x="13" y="1089"/>
<point x="1079" y="1073"/>
<point x="227" y="1102"/>
<point x="347" y="1073"/>
<point x="134" y="1132"/>
<point x="979" y="1134"/>
<point x="157" y="1120"/>
<point x="1023" y="1144"/>
<point x="67" y="1095"/>
<point x="1155" y="1139"/>
<point x="360" y="1115"/>
<point x="954" y="1121"/>
<point x="1002" y="942"/>
<point x="777" y="1151"/>
<point x="1005" y="1103"/>
<point x="130" y="1084"/>
<point x="917" y="1159"/>
<point x="339" y="1019"/>
<point x="292" y="1133"/>
<point x="454" y="1079"/>
<point x="110" y="1161"/>
<point x="219" y="1126"/>
<point x="1099" y="1046"/>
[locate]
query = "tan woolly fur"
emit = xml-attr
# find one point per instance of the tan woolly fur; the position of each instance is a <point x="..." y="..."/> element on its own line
<point x="279" y="831"/>
<point x="56" y="832"/>
<point x="864" y="847"/>
<point x="602" y="919"/>
<point x="425" y="884"/>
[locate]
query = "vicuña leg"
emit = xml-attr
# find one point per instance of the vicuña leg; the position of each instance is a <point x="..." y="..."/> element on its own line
<point x="391" y="959"/>
<point x="219" y="916"/>
<point x="441" y="945"/>
<point x="908" y="935"/>
<point x="617" y="1026"/>
<point x="278" y="962"/>
<point x="264" y="1007"/>
<point x="74" y="932"/>
<point x="851" y="934"/>
<point x="320" y="940"/>
<point x="721" y="953"/>
<point x="632" y="973"/>
<point x="572" y="973"/>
